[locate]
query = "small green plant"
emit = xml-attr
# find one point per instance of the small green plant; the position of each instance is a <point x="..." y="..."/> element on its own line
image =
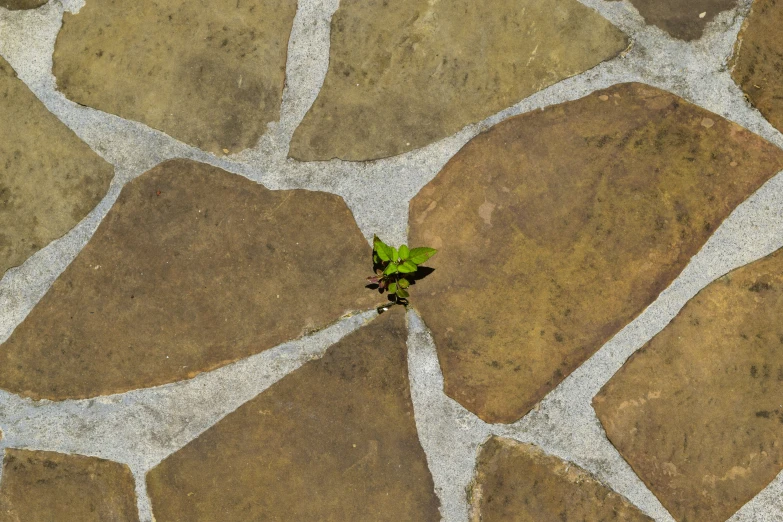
<point x="397" y="269"/>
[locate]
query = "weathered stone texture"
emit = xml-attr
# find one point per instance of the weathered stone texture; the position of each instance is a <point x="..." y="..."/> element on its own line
<point x="49" y="178"/>
<point x="519" y="482"/>
<point x="18" y="5"/>
<point x="42" y="486"/>
<point x="558" y="227"/>
<point x="685" y="20"/>
<point x="210" y="74"/>
<point x="192" y="268"/>
<point x="404" y="74"/>
<point x="333" y="441"/>
<point x="757" y="64"/>
<point x="697" y="411"/>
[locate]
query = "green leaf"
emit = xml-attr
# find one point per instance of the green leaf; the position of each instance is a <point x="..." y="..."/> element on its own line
<point x="407" y="268"/>
<point x="404" y="283"/>
<point x="404" y="252"/>
<point x="393" y="288"/>
<point x="383" y="250"/>
<point x="376" y="259"/>
<point x="402" y="293"/>
<point x="395" y="255"/>
<point x="391" y="269"/>
<point x="421" y="254"/>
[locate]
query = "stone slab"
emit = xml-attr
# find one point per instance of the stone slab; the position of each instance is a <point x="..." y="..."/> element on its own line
<point x="682" y="20"/>
<point x="43" y="486"/>
<point x="19" y="5"/>
<point x="757" y="64"/>
<point x="556" y="228"/>
<point x="193" y="268"/>
<point x="333" y="441"/>
<point x="698" y="410"/>
<point x="210" y="74"/>
<point x="519" y="482"/>
<point x="404" y="74"/>
<point x="49" y="178"/>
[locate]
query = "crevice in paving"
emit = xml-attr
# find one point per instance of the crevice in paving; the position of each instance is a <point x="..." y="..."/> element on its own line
<point x="142" y="427"/>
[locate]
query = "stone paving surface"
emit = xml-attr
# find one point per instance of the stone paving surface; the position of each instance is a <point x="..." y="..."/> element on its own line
<point x="210" y="74"/>
<point x="588" y="169"/>
<point x="50" y="179"/>
<point x="545" y="256"/>
<point x="698" y="411"/>
<point x="333" y="441"/>
<point x="406" y="73"/>
<point x="48" y="486"/>
<point x="193" y="268"/>
<point x="519" y="482"/>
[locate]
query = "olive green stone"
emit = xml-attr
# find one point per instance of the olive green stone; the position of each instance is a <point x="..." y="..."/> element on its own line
<point x="757" y="64"/>
<point x="193" y="268"/>
<point x="404" y="74"/>
<point x="210" y="74"/>
<point x="333" y="441"/>
<point x="519" y="482"/>
<point x="49" y="178"/>
<point x="42" y="486"/>
<point x="697" y="410"/>
<point x="556" y="228"/>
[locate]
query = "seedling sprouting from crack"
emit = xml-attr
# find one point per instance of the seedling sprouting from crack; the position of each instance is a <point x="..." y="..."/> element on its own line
<point x="397" y="269"/>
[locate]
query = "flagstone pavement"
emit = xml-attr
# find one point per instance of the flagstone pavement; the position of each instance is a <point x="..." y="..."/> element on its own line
<point x="188" y="193"/>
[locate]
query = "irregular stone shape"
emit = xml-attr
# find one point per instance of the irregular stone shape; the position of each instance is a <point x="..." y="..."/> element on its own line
<point x="683" y="20"/>
<point x="516" y="481"/>
<point x="18" y="5"/>
<point x="210" y="74"/>
<point x="558" y="227"/>
<point x="44" y="486"/>
<point x="757" y="64"/>
<point x="697" y="411"/>
<point x="333" y="441"/>
<point x="192" y="268"/>
<point x="404" y="74"/>
<point x="49" y="178"/>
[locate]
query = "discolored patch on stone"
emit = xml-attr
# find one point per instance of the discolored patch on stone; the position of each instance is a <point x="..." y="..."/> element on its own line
<point x="407" y="73"/>
<point x="683" y="20"/>
<point x="757" y="64"/>
<point x="48" y="486"/>
<point x="49" y="178"/>
<point x="210" y="74"/>
<point x="697" y="411"/>
<point x="516" y="481"/>
<point x="193" y="268"/>
<point x="18" y="5"/>
<point x="558" y="227"/>
<point x="333" y="441"/>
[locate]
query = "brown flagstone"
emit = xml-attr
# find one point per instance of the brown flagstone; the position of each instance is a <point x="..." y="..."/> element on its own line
<point x="558" y="227"/>
<point x="757" y="64"/>
<point x="49" y="178"/>
<point x="698" y="411"/>
<point x="519" y="482"/>
<point x="43" y="486"/>
<point x="333" y="441"/>
<point x="404" y="74"/>
<point x="192" y="268"/>
<point x="18" y="5"/>
<point x="685" y="20"/>
<point x="210" y="74"/>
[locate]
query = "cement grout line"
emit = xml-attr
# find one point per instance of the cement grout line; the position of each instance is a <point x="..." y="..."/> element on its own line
<point x="450" y="435"/>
